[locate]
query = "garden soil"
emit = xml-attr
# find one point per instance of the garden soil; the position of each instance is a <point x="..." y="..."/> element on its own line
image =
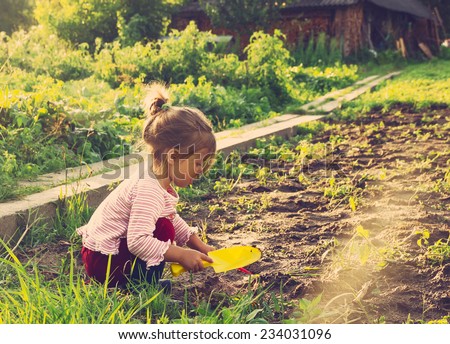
<point x="366" y="250"/>
<point x="367" y="264"/>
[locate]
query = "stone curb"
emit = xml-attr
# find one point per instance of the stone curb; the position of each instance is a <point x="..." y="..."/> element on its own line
<point x="16" y="215"/>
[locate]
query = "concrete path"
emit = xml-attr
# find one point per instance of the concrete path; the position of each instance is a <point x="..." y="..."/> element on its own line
<point x="95" y="180"/>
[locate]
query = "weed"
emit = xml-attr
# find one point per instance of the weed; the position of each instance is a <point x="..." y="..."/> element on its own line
<point x="224" y="186"/>
<point x="213" y="208"/>
<point x="195" y="192"/>
<point x="262" y="175"/>
<point x="352" y="203"/>
<point x="423" y="239"/>
<point x="253" y="305"/>
<point x="359" y="250"/>
<point x="195" y="208"/>
<point x="439" y="252"/>
<point x="338" y="189"/>
<point x="203" y="230"/>
<point x="265" y="202"/>
<point x="245" y="204"/>
<point x="443" y="184"/>
<point x="308" y="311"/>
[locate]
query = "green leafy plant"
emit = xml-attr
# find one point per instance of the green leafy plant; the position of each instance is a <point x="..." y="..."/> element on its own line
<point x="320" y="50"/>
<point x="267" y="65"/>
<point x="245" y="307"/>
<point x="308" y="311"/>
<point x="224" y="186"/>
<point x="241" y="14"/>
<point x="423" y="239"/>
<point x="439" y="252"/>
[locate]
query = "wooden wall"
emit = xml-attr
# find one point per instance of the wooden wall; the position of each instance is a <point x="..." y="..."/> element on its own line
<point x="357" y="26"/>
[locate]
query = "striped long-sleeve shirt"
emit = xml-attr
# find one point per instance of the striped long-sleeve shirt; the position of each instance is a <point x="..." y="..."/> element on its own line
<point x="131" y="212"/>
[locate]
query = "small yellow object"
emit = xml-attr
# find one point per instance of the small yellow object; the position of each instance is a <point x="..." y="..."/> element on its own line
<point x="225" y="259"/>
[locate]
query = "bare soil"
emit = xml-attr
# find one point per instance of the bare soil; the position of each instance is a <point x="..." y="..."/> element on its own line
<point x="309" y="242"/>
<point x="365" y="263"/>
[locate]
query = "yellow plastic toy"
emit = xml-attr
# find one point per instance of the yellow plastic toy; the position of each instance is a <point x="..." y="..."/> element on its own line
<point x="225" y="259"/>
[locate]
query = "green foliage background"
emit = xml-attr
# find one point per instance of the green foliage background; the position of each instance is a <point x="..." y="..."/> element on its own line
<point x="15" y="14"/>
<point x="63" y="105"/>
<point x="73" y="74"/>
<point x="83" y="21"/>
<point x="243" y="15"/>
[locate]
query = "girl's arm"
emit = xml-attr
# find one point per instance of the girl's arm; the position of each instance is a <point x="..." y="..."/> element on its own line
<point x="191" y="260"/>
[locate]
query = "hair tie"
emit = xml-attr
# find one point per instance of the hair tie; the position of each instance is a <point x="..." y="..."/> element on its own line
<point x="157" y="105"/>
<point x="158" y="102"/>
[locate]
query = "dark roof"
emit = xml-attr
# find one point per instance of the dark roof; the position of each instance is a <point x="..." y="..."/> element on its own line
<point x="322" y="3"/>
<point x="414" y="7"/>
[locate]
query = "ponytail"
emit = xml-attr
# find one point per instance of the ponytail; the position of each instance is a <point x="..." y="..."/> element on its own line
<point x="157" y="97"/>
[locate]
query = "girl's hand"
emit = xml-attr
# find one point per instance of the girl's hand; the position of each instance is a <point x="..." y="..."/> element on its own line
<point x="207" y="248"/>
<point x="192" y="260"/>
<point x="196" y="244"/>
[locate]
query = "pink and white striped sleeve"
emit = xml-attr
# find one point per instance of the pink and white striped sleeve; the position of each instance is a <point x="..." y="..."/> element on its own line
<point x="182" y="230"/>
<point x="147" y="207"/>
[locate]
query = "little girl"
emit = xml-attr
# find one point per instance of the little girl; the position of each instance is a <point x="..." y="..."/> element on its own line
<point x="136" y="228"/>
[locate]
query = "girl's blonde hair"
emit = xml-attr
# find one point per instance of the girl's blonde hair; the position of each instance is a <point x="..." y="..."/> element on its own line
<point x="184" y="128"/>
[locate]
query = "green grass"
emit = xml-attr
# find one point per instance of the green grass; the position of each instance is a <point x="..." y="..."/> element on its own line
<point x="28" y="297"/>
<point x="418" y="86"/>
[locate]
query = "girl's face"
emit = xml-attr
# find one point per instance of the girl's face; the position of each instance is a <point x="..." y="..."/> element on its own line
<point x="183" y="171"/>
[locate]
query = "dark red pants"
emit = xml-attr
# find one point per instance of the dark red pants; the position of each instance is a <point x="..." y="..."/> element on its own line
<point x="125" y="266"/>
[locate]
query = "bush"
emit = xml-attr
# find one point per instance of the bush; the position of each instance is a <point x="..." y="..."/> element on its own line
<point x="223" y="70"/>
<point x="267" y="66"/>
<point x="43" y="54"/>
<point x="128" y="65"/>
<point x="83" y="21"/>
<point x="182" y="54"/>
<point x="80" y="21"/>
<point x="444" y="53"/>
<point x="222" y="105"/>
<point x="15" y="14"/>
<point x="171" y="60"/>
<point x="319" y="51"/>
<point x="323" y="80"/>
<point x="143" y="20"/>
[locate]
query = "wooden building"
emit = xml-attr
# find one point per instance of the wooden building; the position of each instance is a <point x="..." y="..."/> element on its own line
<point x="357" y="24"/>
